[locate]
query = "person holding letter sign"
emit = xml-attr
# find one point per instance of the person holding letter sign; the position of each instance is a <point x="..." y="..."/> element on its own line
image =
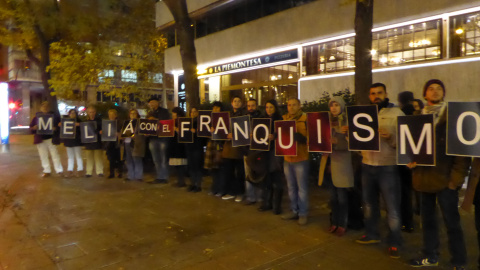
<point x="194" y="155"/>
<point x="74" y="146"/>
<point x="440" y="183"/>
<point x="296" y="167"/>
<point x="340" y="167"/>
<point x="47" y="143"/>
<point x="176" y="151"/>
<point x="380" y="175"/>
<point x="213" y="159"/>
<point x="272" y="188"/>
<point x="134" y="152"/>
<point x="158" y="146"/>
<point x="113" y="148"/>
<point x="93" y="151"/>
<point x="233" y="174"/>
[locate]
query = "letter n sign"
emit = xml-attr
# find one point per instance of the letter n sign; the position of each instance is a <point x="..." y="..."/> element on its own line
<point x="416" y="140"/>
<point x="363" y="128"/>
<point x="463" y="129"/>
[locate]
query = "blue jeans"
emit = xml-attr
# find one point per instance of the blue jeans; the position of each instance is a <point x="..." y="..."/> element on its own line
<point x="384" y="180"/>
<point x="339" y="205"/>
<point x="134" y="164"/>
<point x="158" y="148"/>
<point x="448" y="202"/>
<point x="296" y="175"/>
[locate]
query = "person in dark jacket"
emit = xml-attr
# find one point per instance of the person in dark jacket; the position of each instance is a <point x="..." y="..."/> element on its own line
<point x="47" y="143"/>
<point x="439" y="184"/>
<point x="213" y="159"/>
<point x="94" y="151"/>
<point x="134" y="152"/>
<point x="177" y="156"/>
<point x="195" y="155"/>
<point x="272" y="187"/>
<point x="233" y="170"/>
<point x="158" y="146"/>
<point x="74" y="148"/>
<point x="113" y="149"/>
<point x="254" y="178"/>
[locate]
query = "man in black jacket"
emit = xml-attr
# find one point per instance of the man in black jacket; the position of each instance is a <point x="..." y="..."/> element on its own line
<point x="158" y="146"/>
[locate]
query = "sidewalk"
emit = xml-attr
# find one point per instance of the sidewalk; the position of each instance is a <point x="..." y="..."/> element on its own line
<point x="92" y="223"/>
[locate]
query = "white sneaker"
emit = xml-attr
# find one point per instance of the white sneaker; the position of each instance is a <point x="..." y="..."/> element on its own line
<point x="227" y="197"/>
<point x="239" y="198"/>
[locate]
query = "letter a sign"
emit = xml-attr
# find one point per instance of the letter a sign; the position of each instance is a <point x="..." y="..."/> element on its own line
<point x="221" y="125"/>
<point x="285" y="144"/>
<point x="415" y="140"/>
<point x="363" y="128"/>
<point x="463" y="129"/>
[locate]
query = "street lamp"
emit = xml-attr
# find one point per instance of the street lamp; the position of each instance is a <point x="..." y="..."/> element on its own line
<point x="4" y="111"/>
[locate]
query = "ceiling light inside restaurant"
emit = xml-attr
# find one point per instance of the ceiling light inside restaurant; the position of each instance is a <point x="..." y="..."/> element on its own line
<point x="459" y="31"/>
<point x="373" y="52"/>
<point x="383" y="60"/>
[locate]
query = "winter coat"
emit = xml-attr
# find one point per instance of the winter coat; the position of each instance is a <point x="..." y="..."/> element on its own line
<point x="229" y="151"/>
<point x="302" y="151"/>
<point x="448" y="169"/>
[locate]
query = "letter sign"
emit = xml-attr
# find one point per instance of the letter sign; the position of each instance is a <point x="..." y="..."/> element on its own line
<point x="285" y="144"/>
<point x="204" y="123"/>
<point x="221" y="125"/>
<point x="185" y="134"/>
<point x="68" y="128"/>
<point x="463" y="132"/>
<point x="319" y="133"/>
<point x="415" y="140"/>
<point x="240" y="130"/>
<point x="148" y="127"/>
<point x="363" y="128"/>
<point x="166" y="128"/>
<point x="45" y="124"/>
<point x="109" y="130"/>
<point x="260" y="133"/>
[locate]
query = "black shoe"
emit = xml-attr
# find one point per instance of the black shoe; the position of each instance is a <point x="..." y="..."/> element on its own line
<point x="197" y="189"/>
<point x="100" y="175"/>
<point x="191" y="188"/>
<point x="423" y="262"/>
<point x="248" y="202"/>
<point x="158" y="181"/>
<point x="111" y="176"/>
<point x="88" y="175"/>
<point x="264" y="208"/>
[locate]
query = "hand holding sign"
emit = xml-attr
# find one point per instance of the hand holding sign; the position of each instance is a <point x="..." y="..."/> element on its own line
<point x="45" y="124"/>
<point x="285" y="145"/>
<point x="68" y="130"/>
<point x="363" y="130"/>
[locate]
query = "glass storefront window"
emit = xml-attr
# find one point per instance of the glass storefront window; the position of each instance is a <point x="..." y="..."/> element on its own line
<point x="278" y="82"/>
<point x="465" y="35"/>
<point x="329" y="57"/>
<point x="411" y="43"/>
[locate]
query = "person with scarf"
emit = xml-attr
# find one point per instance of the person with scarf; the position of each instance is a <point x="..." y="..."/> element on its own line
<point x="440" y="183"/>
<point x="272" y="188"/>
<point x="340" y="167"/>
<point x="296" y="167"/>
<point x="380" y="175"/>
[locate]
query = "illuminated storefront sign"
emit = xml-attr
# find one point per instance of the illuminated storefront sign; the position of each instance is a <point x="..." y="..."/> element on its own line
<point x="251" y="62"/>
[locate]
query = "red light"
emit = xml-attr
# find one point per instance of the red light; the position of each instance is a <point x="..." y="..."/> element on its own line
<point x="12" y="105"/>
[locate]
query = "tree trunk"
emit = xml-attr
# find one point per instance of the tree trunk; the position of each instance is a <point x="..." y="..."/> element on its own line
<point x="363" y="48"/>
<point x="186" y="39"/>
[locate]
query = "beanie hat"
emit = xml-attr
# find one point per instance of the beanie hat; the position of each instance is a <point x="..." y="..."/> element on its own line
<point x="433" y="81"/>
<point x="339" y="100"/>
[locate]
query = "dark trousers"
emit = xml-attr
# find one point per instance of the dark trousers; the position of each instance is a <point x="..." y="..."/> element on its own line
<point x="406" y="202"/>
<point x="476" y="203"/>
<point x="339" y="205"/>
<point x="216" y="181"/>
<point x="448" y="202"/>
<point x="195" y="162"/>
<point x="233" y="176"/>
<point x="181" y="171"/>
<point x="113" y="155"/>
